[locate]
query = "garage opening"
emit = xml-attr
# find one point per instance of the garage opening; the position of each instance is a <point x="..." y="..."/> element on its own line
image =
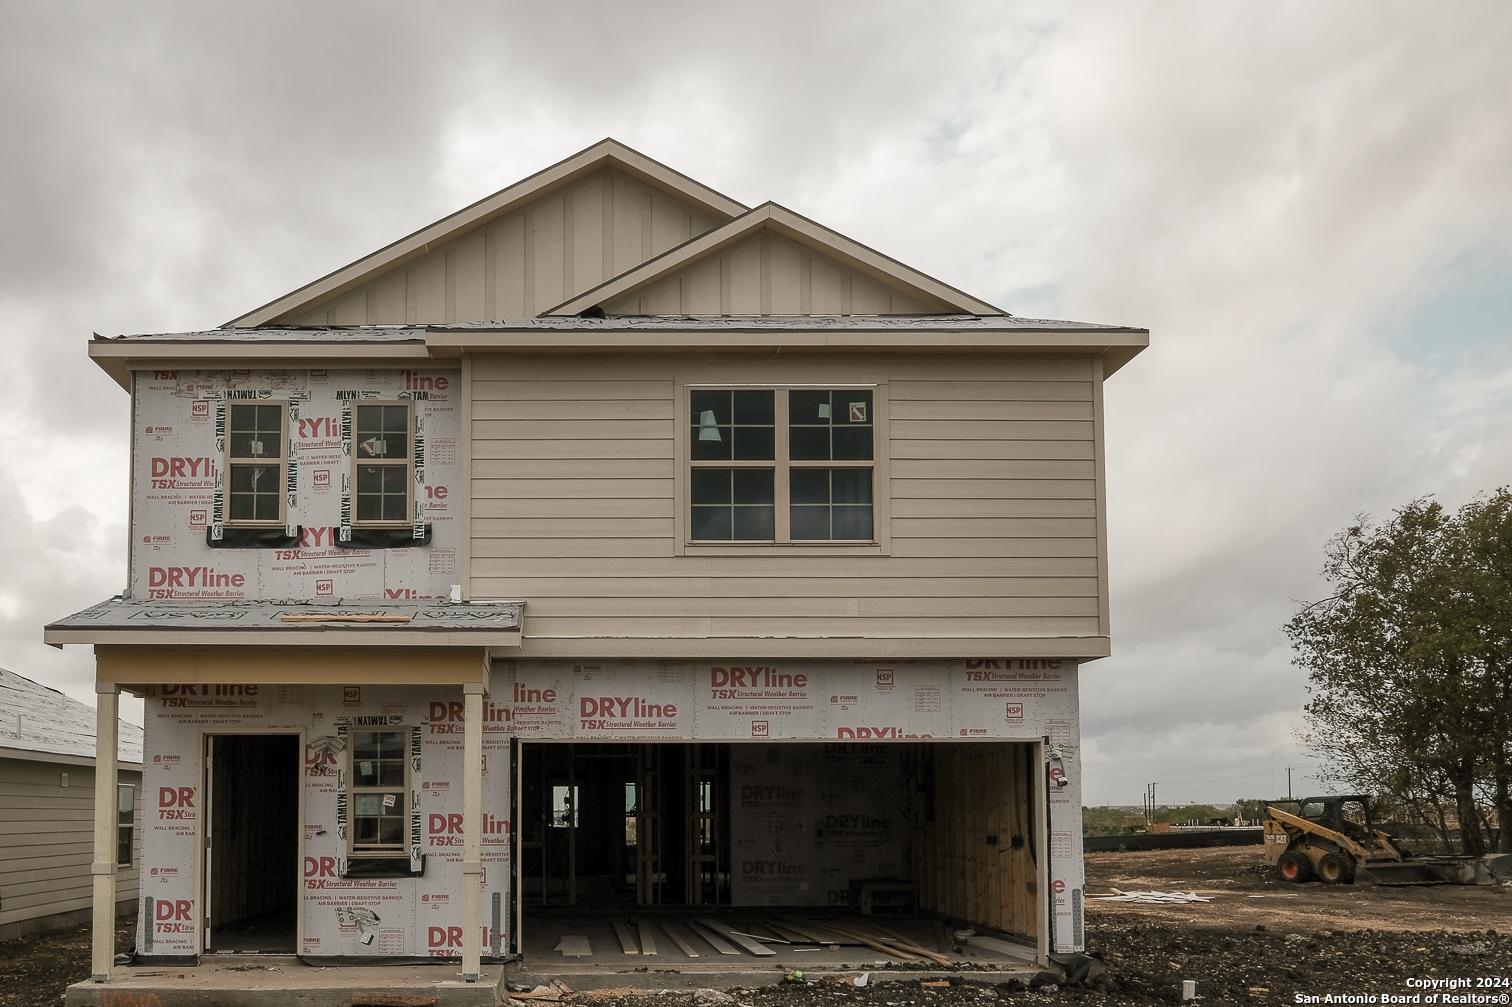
<point x="624" y="824"/>
<point x="251" y="842"/>
<point x="947" y="829"/>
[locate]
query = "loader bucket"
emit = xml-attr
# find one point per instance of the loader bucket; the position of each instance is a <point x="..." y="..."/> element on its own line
<point x="1396" y="874"/>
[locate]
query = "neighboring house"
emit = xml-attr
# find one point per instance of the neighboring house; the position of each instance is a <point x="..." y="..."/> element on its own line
<point x="47" y="800"/>
<point x="607" y="541"/>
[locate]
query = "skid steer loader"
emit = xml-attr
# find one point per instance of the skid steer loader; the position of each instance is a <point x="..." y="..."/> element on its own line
<point x="1334" y="840"/>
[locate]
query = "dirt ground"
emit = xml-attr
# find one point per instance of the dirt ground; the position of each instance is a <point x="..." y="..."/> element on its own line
<point x="1259" y="941"/>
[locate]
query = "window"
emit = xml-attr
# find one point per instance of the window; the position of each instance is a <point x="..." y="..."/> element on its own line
<point x="383" y="453"/>
<point x="379" y="791"/>
<point x="782" y="465"/>
<point x="256" y="436"/>
<point x="125" y="820"/>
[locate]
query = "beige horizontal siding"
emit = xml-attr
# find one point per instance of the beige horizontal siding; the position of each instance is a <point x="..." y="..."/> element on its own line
<point x="762" y="571"/>
<point x="993" y="503"/>
<point x="818" y="628"/>
<point x="47" y="839"/>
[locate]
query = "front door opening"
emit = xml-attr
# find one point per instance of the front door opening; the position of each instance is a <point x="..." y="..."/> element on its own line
<point x="251" y="842"/>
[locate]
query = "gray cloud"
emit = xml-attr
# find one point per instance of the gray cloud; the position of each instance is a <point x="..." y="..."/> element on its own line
<point x="1274" y="191"/>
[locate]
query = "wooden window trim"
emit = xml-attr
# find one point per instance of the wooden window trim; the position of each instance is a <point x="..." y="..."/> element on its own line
<point x="881" y="542"/>
<point x="283" y="465"/>
<point x="402" y="849"/>
<point x="408" y="463"/>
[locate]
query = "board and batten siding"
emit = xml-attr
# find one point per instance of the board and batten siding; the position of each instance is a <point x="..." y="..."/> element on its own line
<point x="990" y="468"/>
<point x="47" y="845"/>
<point x="768" y="274"/>
<point x="526" y="261"/>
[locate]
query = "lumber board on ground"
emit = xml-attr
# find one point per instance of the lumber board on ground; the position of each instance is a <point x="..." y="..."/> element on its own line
<point x="574" y="946"/>
<point x="713" y="939"/>
<point x="869" y="942"/>
<point x="647" y="936"/>
<point x="626" y="938"/>
<point x="679" y="940"/>
<point x="752" y="945"/>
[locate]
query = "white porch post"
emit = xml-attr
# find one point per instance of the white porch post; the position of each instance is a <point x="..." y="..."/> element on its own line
<point x="472" y="831"/>
<point x="103" y="869"/>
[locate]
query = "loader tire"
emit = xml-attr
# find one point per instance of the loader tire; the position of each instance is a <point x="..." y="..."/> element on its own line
<point x="1294" y="867"/>
<point x="1336" y="868"/>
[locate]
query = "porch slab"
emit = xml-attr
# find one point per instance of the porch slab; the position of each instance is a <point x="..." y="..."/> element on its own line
<point x="277" y="981"/>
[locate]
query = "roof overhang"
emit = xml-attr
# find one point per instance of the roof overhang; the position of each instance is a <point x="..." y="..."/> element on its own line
<point x="131" y="622"/>
<point x="444" y="345"/>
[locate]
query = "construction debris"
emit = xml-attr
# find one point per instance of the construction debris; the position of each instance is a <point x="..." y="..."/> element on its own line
<point x="1168" y="898"/>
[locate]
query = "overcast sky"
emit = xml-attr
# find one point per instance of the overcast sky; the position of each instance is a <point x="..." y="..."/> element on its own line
<point x="1309" y="205"/>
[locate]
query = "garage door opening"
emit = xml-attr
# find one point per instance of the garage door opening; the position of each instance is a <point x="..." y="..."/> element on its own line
<point x="950" y="828"/>
<point x="624" y="824"/>
<point x="640" y="842"/>
<point x="252" y="786"/>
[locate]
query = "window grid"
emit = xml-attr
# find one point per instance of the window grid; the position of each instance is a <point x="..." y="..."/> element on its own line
<point x="256" y="439"/>
<point x="379" y="794"/>
<point x="785" y="469"/>
<point x="382" y="458"/>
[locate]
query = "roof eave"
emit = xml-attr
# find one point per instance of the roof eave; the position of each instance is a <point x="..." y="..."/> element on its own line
<point x="1116" y="346"/>
<point x="119" y="359"/>
<point x="301" y="637"/>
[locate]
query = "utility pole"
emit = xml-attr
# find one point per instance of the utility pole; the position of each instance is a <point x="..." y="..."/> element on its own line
<point x="1288" y="783"/>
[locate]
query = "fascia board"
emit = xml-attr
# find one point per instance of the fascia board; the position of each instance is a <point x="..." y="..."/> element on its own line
<point x="303" y="637"/>
<point x="119" y="359"/>
<point x="29" y="755"/>
<point x="604" y="153"/>
<point x="1080" y="648"/>
<point x="714" y="338"/>
<point x="867" y="261"/>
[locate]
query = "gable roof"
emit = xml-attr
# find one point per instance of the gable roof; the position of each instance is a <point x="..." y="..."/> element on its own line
<point x="36" y="719"/>
<point x="606" y="153"/>
<point x="771" y="217"/>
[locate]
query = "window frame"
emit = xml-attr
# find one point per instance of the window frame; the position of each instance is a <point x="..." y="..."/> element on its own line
<point x="126" y="825"/>
<point x="879" y="544"/>
<point x="408" y="463"/>
<point x="285" y="447"/>
<point x="400" y="850"/>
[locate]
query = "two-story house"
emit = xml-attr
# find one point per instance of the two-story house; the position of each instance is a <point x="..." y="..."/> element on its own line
<point x="606" y="542"/>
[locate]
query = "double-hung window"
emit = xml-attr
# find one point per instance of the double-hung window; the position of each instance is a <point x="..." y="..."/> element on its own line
<point x="256" y="462"/>
<point x="379" y="794"/>
<point x="782" y="465"/>
<point x="383" y="451"/>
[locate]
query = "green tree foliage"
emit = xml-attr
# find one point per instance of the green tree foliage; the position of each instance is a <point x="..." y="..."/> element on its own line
<point x="1410" y="660"/>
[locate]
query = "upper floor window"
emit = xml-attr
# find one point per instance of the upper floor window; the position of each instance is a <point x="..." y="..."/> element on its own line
<point x="383" y="451"/>
<point x="782" y="465"/>
<point x="256" y="462"/>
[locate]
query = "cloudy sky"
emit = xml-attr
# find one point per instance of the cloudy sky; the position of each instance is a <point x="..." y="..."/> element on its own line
<point x="1309" y="205"/>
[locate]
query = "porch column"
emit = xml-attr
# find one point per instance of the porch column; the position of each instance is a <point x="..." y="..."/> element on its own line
<point x="472" y="830"/>
<point x="103" y="869"/>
